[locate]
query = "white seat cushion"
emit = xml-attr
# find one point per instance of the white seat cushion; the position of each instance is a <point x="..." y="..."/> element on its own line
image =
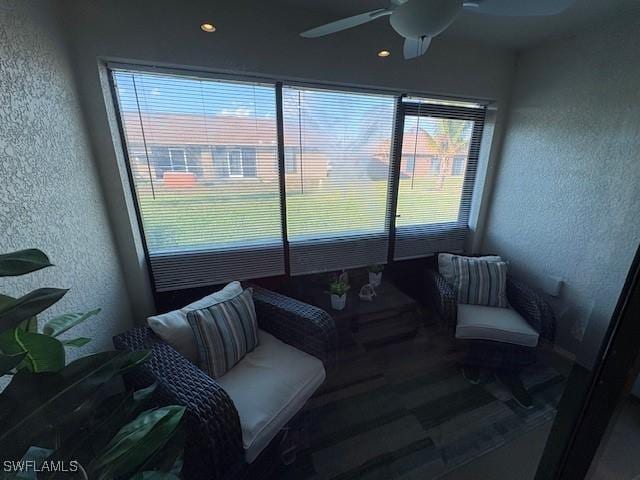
<point x="268" y="387"/>
<point x="477" y="322"/>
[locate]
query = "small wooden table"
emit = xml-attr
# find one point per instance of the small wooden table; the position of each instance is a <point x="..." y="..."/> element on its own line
<point x="389" y="301"/>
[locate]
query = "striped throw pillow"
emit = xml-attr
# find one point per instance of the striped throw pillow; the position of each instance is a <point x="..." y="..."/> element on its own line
<point x="224" y="332"/>
<point x="480" y="282"/>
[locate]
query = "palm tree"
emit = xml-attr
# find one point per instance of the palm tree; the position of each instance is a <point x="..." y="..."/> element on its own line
<point x="452" y="138"/>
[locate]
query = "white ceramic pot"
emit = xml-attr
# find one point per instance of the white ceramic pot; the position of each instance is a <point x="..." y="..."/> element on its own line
<point x="375" y="279"/>
<point x="338" y="302"/>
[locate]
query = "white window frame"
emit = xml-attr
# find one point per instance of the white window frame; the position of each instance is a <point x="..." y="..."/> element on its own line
<point x="184" y="158"/>
<point x="229" y="152"/>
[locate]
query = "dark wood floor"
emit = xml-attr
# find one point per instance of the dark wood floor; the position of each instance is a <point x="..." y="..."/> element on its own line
<point x="397" y="407"/>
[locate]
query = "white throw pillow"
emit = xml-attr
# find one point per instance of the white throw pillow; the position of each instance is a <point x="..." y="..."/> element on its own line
<point x="173" y="327"/>
<point x="445" y="265"/>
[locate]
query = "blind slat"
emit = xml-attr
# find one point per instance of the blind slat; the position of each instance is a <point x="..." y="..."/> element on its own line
<point x="212" y="161"/>
<point x="337" y="208"/>
<point x="204" y="162"/>
<point x="439" y="151"/>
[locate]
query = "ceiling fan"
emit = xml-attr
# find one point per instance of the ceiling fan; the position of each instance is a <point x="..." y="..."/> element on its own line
<point x="418" y="21"/>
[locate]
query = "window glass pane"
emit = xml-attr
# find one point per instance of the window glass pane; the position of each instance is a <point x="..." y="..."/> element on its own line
<point x="459" y="165"/>
<point x="337" y="158"/>
<point x="235" y="163"/>
<point x="434" y="157"/>
<point x="178" y="160"/>
<point x="204" y="160"/>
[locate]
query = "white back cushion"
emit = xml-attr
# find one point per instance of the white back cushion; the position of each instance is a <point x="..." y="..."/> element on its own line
<point x="173" y="328"/>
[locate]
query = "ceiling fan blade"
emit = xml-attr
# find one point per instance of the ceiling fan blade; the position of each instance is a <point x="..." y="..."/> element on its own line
<point x="345" y="23"/>
<point x="414" y="47"/>
<point x="518" y="8"/>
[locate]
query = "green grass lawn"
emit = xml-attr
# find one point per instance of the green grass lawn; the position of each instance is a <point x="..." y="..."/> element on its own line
<point x="213" y="217"/>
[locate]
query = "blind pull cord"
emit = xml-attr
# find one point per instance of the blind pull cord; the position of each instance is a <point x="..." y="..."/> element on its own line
<point x="415" y="145"/>
<point x="144" y="138"/>
<point x="300" y="141"/>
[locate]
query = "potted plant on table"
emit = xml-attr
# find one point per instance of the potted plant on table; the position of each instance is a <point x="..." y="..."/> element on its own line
<point x="338" y="290"/>
<point x="375" y="274"/>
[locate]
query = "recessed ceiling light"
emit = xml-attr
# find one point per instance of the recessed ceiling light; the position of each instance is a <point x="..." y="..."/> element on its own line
<point x="384" y="53"/>
<point x="208" y="27"/>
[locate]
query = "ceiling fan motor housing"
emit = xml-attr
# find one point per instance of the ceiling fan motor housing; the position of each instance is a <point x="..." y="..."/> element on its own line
<point x="424" y="18"/>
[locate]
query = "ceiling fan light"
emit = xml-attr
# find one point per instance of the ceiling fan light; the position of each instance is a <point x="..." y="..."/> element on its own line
<point x="384" y="53"/>
<point x="424" y="18"/>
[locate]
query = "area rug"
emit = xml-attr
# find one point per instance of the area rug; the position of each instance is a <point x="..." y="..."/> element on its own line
<point x="397" y="407"/>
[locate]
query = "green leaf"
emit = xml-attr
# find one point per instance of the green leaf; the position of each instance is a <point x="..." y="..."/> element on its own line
<point x="154" y="475"/>
<point x="169" y="457"/>
<point x="22" y="262"/>
<point x="17" y="310"/>
<point x="144" y="394"/>
<point x="37" y="455"/>
<point x="76" y="342"/>
<point x="35" y="403"/>
<point x="110" y="415"/>
<point x="9" y="362"/>
<point x="5" y="301"/>
<point x="10" y="350"/>
<point x="30" y="325"/>
<point x="8" y="343"/>
<point x="44" y="353"/>
<point x="58" y="325"/>
<point x="137" y="441"/>
<point x="116" y="411"/>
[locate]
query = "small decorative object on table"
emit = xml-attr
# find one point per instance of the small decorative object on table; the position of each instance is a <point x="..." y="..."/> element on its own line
<point x="367" y="292"/>
<point x="338" y="290"/>
<point x="375" y="274"/>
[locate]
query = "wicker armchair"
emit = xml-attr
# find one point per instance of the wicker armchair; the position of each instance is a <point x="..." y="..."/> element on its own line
<point x="531" y="306"/>
<point x="213" y="445"/>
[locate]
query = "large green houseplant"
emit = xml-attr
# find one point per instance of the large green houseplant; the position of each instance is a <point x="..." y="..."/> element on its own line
<point x="73" y="418"/>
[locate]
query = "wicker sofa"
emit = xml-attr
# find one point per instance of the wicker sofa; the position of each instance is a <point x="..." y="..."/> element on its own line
<point x="214" y="438"/>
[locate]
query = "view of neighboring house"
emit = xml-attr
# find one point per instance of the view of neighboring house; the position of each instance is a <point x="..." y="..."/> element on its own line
<point x="184" y="149"/>
<point x="209" y="148"/>
<point x="424" y="154"/>
<point x="187" y="149"/>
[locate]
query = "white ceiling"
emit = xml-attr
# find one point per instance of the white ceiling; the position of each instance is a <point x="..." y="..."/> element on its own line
<point x="508" y="32"/>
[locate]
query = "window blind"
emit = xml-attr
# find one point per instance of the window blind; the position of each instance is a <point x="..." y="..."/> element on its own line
<point x="203" y="158"/>
<point x="338" y="165"/>
<point x="439" y="148"/>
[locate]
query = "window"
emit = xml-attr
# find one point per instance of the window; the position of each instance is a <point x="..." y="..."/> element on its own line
<point x="178" y="160"/>
<point x="215" y="226"/>
<point x="435" y="165"/>
<point x="234" y="163"/>
<point x="459" y="163"/>
<point x="434" y="200"/>
<point x="337" y="208"/>
<point x="408" y="165"/>
<point x="361" y="176"/>
<point x="291" y="160"/>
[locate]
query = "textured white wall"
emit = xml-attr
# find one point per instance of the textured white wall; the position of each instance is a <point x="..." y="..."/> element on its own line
<point x="50" y="196"/>
<point x="567" y="194"/>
